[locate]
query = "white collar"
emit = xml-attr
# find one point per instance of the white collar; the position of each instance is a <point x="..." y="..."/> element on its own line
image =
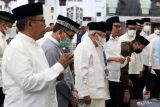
<point x="112" y="38"/>
<point x="1" y="34"/>
<point x="27" y="38"/>
<point x="53" y="39"/>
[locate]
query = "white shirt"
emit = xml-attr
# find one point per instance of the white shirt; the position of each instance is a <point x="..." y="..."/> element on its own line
<point x="152" y="36"/>
<point x="154" y="53"/>
<point x="27" y="79"/>
<point x="145" y="53"/>
<point x="125" y="37"/>
<point x="3" y="45"/>
<point x="89" y="72"/>
<point x="113" y="49"/>
<point x="135" y="65"/>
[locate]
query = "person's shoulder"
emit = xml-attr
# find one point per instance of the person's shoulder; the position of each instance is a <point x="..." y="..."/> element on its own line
<point x="48" y="44"/>
<point x="125" y="45"/>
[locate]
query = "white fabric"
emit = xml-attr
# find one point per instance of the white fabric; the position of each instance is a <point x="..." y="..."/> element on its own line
<point x="46" y="35"/>
<point x="154" y="53"/>
<point x="84" y="36"/>
<point x="145" y="53"/>
<point x="89" y="72"/>
<point x="152" y="36"/>
<point x="27" y="79"/>
<point x="94" y="103"/>
<point x="135" y="65"/>
<point x="125" y="37"/>
<point x="100" y="53"/>
<point x="3" y="45"/>
<point x="113" y="49"/>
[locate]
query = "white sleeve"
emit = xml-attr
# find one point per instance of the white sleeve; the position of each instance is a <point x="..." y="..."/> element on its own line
<point x="20" y="68"/>
<point x="81" y="64"/>
<point x="152" y="45"/>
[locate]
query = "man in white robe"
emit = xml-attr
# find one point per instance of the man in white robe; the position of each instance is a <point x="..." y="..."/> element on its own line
<point x="130" y="31"/>
<point x="28" y="81"/>
<point x="90" y="78"/>
<point x="6" y="22"/>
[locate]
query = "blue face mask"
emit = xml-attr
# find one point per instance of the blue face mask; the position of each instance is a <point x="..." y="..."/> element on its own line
<point x="65" y="43"/>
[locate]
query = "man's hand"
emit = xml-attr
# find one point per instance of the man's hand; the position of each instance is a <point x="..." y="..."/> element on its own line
<point x="60" y="77"/>
<point x="126" y="97"/>
<point x="141" y="74"/>
<point x="128" y="58"/>
<point x="87" y="100"/>
<point x="66" y="59"/>
<point x="120" y="59"/>
<point x="75" y="99"/>
<point x="130" y="83"/>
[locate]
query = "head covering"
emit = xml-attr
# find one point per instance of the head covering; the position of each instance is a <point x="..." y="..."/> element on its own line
<point x="114" y="19"/>
<point x="99" y="26"/>
<point x="157" y="25"/>
<point x="130" y="22"/>
<point x="67" y="23"/>
<point x="141" y="39"/>
<point x="146" y="20"/>
<point x="6" y="16"/>
<point x="28" y="10"/>
<point x="138" y="21"/>
<point x="108" y="26"/>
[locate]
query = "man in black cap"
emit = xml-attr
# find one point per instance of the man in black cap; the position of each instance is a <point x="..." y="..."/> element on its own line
<point x="156" y="31"/>
<point x="113" y="50"/>
<point x="61" y="37"/>
<point x="145" y="80"/>
<point x="146" y="30"/>
<point x="130" y="31"/>
<point x="155" y="63"/>
<point x="139" y="25"/>
<point x="88" y="59"/>
<point x="6" y="22"/>
<point x="127" y="48"/>
<point x="27" y="78"/>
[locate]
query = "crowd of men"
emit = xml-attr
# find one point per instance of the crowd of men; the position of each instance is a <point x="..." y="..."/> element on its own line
<point x="106" y="69"/>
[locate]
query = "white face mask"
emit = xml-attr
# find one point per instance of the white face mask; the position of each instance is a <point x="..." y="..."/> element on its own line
<point x="101" y="41"/>
<point x="147" y="28"/>
<point x="157" y="32"/>
<point x="131" y="33"/>
<point x="7" y="30"/>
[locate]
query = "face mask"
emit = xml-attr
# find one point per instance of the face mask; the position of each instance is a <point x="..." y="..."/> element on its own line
<point x="157" y="32"/>
<point x="147" y="28"/>
<point x="101" y="41"/>
<point x="65" y="43"/>
<point x="138" y="51"/>
<point x="131" y="33"/>
<point x="107" y="37"/>
<point x="7" y="30"/>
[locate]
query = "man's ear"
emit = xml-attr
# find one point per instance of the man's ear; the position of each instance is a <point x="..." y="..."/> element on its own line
<point x="29" y="23"/>
<point x="4" y="25"/>
<point x="60" y="31"/>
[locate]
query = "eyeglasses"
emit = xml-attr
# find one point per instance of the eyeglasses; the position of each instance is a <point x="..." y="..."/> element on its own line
<point x="69" y="36"/>
<point x="102" y="35"/>
<point x="43" y="21"/>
